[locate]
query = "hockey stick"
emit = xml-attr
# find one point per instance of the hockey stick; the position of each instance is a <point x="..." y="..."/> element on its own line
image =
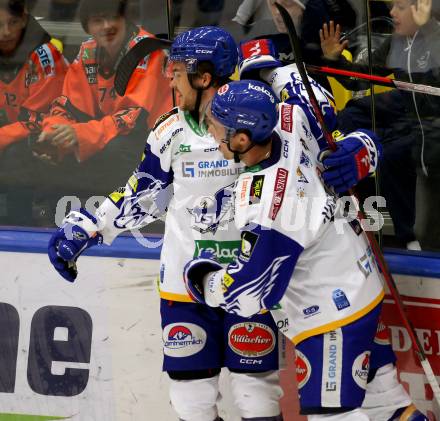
<point x="131" y="60"/>
<point x="377" y="80"/>
<point x="375" y="247"/>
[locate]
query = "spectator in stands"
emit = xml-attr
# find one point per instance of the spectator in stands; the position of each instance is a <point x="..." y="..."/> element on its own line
<point x="412" y="54"/>
<point x="308" y="17"/>
<point x="32" y="71"/>
<point x="102" y="130"/>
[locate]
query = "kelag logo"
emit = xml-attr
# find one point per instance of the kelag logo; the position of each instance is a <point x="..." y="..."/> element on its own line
<point x="223" y="251"/>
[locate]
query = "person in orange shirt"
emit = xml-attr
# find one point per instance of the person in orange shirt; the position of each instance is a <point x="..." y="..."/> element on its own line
<point x="90" y="118"/>
<point x="32" y="71"/>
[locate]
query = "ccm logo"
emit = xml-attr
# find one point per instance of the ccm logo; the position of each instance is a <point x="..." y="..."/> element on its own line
<point x="249" y="361"/>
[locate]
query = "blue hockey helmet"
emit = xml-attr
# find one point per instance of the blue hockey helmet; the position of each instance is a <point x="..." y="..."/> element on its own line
<point x="207" y="43"/>
<point x="247" y="105"/>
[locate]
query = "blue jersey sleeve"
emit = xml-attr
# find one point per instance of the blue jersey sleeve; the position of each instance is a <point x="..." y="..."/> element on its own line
<point x="259" y="277"/>
<point x="146" y="195"/>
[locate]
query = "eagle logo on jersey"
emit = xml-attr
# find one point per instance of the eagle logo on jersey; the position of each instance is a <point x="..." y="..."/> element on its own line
<point x="249" y="298"/>
<point x="132" y="211"/>
<point x="212" y="212"/>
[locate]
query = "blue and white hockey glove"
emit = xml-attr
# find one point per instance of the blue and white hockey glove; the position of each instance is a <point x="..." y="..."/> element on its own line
<point x="78" y="232"/>
<point x="255" y="55"/>
<point x="203" y="277"/>
<point x="355" y="158"/>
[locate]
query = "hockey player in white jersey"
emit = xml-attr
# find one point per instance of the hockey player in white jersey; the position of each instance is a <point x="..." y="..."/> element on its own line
<point x="183" y="174"/>
<point x="300" y="257"/>
<point x="258" y="59"/>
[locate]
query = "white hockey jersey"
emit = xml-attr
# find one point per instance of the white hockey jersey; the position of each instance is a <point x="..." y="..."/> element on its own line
<point x="288" y="86"/>
<point x="183" y="175"/>
<point x="299" y="256"/>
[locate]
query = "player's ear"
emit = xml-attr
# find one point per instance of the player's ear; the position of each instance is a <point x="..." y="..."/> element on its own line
<point x="243" y="138"/>
<point x="205" y="79"/>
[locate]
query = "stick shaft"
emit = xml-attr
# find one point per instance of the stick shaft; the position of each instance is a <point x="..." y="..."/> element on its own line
<point x="377" y="80"/>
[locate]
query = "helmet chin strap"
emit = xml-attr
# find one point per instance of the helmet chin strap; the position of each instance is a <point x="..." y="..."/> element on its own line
<point x="195" y="113"/>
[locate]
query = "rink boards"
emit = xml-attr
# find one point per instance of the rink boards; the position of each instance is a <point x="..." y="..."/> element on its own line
<point x="91" y="350"/>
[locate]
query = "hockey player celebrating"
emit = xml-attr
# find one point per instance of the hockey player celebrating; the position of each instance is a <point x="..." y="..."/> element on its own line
<point x="341" y="170"/>
<point x="183" y="174"/>
<point x="299" y="257"/>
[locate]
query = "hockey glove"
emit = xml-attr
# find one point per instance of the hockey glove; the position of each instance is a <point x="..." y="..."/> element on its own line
<point x="78" y="232"/>
<point x="202" y="279"/>
<point x="355" y="158"/>
<point x="255" y="55"/>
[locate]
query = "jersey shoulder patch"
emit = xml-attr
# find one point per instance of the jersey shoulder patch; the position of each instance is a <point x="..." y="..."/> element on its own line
<point x="165" y="117"/>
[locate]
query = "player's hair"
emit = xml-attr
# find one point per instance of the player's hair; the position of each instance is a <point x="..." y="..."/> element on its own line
<point x="14" y="7"/>
<point x="89" y="8"/>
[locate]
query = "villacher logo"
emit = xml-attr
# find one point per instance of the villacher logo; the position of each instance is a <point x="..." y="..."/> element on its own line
<point x="251" y="339"/>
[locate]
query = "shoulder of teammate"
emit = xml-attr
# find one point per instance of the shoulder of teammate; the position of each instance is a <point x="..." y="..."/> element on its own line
<point x="87" y="52"/>
<point x="167" y="132"/>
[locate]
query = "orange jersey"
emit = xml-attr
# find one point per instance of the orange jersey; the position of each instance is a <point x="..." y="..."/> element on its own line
<point x="27" y="93"/>
<point x="96" y="112"/>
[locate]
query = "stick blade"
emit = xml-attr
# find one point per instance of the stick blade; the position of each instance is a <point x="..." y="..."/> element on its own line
<point x="131" y="60"/>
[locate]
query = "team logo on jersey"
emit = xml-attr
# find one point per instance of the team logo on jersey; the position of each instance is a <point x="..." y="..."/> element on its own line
<point x="256" y="189"/>
<point x="132" y="212"/>
<point x="303" y="369"/>
<point x="91" y="73"/>
<point x="251" y="339"/>
<point x="256" y="47"/>
<point x="248" y="241"/>
<point x="360" y="368"/>
<point x="278" y="194"/>
<point x="340" y="299"/>
<point x="305" y="160"/>
<point x="183" y="339"/>
<point x="301" y="177"/>
<point x="382" y="334"/>
<point x="210" y="213"/>
<point x="286" y="118"/>
<point x="223" y="89"/>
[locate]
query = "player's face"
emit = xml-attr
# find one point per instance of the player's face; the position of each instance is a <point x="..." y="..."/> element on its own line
<point x="11" y="28"/>
<point x="108" y="31"/>
<point x="292" y="6"/>
<point x="402" y="17"/>
<point x="218" y="132"/>
<point x="185" y="95"/>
